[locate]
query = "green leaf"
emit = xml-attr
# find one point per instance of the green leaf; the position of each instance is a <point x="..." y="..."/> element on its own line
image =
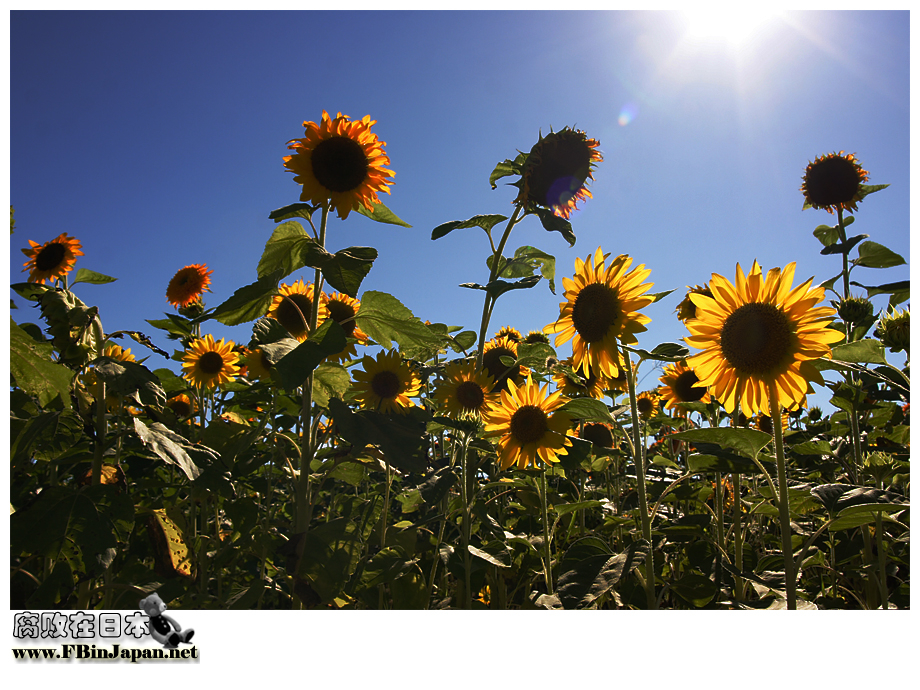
<point x="862" y="514"/>
<point x="290" y="248"/>
<point x="726" y="463"/>
<point x="553" y="223"/>
<point x="463" y="341"/>
<point x="30" y="291"/>
<point x="46" y="437"/>
<point x="507" y="168"/>
<point x="695" y="589"/>
<point x="588" y="570"/>
<point x="84" y="275"/>
<point x="330" y="554"/>
<point x="170" y="446"/>
<point x="665" y="352"/>
<point x="499" y="287"/>
<point x="826" y="234"/>
<point x="867" y="189"/>
<point x="486" y="222"/>
<point x="175" y="325"/>
<point x="299" y="210"/>
<point x="489" y="558"/>
<point x="347" y="268"/>
<point x="297" y="364"/>
<point x="382" y="214"/>
<point x="330" y="380"/>
<point x="874" y="255"/>
<point x="385" y="319"/>
<point x="886" y="289"/>
<point x="867" y="351"/>
<point x="250" y="302"/>
<point x="843" y="247"/>
<point x="131" y="378"/>
<point x="534" y="355"/>
<point x="525" y="262"/>
<point x="588" y="409"/>
<point x="658" y="296"/>
<point x="566" y="508"/>
<point x="748" y="442"/>
<point x="35" y="373"/>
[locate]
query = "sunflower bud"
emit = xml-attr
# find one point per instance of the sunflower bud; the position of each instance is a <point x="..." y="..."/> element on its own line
<point x="854" y="309"/>
<point x="193" y="309"/>
<point x="815" y="414"/>
<point x="894" y="330"/>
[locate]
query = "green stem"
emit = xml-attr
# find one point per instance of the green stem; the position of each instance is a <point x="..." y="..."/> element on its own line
<point x="547" y="551"/>
<point x="465" y="525"/>
<point x="639" y="460"/>
<point x="784" y="520"/>
<point x="882" y="559"/>
<point x="841" y="231"/>
<point x="739" y="544"/>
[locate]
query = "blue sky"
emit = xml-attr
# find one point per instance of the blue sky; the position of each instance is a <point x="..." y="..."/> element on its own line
<point x="156" y="139"/>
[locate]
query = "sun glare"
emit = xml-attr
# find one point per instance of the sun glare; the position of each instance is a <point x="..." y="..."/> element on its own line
<point x="732" y="26"/>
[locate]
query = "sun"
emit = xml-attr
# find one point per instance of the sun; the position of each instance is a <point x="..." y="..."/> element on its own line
<point x="718" y="24"/>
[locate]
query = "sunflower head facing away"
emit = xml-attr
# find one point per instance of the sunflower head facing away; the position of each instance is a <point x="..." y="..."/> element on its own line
<point x="600" y="312"/>
<point x="687" y="309"/>
<point x="834" y="180"/>
<point x="208" y="363"/>
<point x="598" y="433"/>
<point x="557" y="170"/>
<point x="292" y="308"/>
<point x="342" y="309"/>
<point x="529" y="425"/>
<point x="681" y="385"/>
<point x="340" y="161"/>
<point x="464" y="392"/>
<point x="51" y="260"/>
<point x="188" y="285"/>
<point x="386" y="384"/>
<point x="758" y="333"/>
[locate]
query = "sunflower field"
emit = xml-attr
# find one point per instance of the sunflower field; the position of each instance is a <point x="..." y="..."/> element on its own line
<point x="346" y="454"/>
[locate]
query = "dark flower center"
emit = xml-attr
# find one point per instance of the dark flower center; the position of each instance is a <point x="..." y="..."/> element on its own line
<point x="341" y="313"/>
<point x="765" y="423"/>
<point x="470" y="395"/>
<point x="491" y="361"/>
<point x="211" y="363"/>
<point x="50" y="257"/>
<point x="834" y="180"/>
<point x="645" y="405"/>
<point x="685" y="389"/>
<point x="293" y="313"/>
<point x="180" y="407"/>
<point x="596" y="309"/>
<point x="385" y="384"/>
<point x="528" y="424"/>
<point x="756" y="338"/>
<point x="598" y="434"/>
<point x="561" y="164"/>
<point x="339" y="164"/>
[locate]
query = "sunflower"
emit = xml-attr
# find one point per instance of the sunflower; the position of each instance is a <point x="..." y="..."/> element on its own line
<point x="894" y="330"/>
<point x="386" y="384"/>
<point x="535" y="337"/>
<point x="51" y="260"/>
<point x="208" y="363"/>
<point x="557" y="170"/>
<point x="598" y="433"/>
<point x="183" y="405"/>
<point x="680" y="385"/>
<point x="592" y="386"/>
<point x="511" y="333"/>
<point x="464" y="391"/>
<point x="764" y="422"/>
<point x="256" y="363"/>
<point x="292" y="308"/>
<point x="758" y="333"/>
<point x="342" y="309"/>
<point x="529" y="425"/>
<point x="341" y="161"/>
<point x="647" y="403"/>
<point x="119" y="353"/>
<point x="834" y="180"/>
<point x="188" y="285"/>
<point x="600" y="311"/>
<point x="687" y="309"/>
<point x="492" y="354"/>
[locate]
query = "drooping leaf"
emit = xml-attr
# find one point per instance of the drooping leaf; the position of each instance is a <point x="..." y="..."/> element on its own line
<point x="382" y="214"/>
<point x="299" y="210"/>
<point x="173" y="555"/>
<point x="553" y="223"/>
<point x="130" y="378"/>
<point x="290" y="248"/>
<point x="507" y="168"/>
<point x="250" y="302"/>
<point x="525" y="262"/>
<point x="347" y="268"/>
<point x="866" y="351"/>
<point x="170" y="446"/>
<point x="35" y="373"/>
<point x="486" y="222"/>
<point x="843" y="247"/>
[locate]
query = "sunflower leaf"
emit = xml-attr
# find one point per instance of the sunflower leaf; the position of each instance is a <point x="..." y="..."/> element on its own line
<point x="525" y="262"/>
<point x="588" y="409"/>
<point x="658" y="296"/>
<point x="867" y="189"/>
<point x="553" y="223"/>
<point x="875" y="255"/>
<point x="665" y="352"/>
<point x="867" y="351"/>
<point x="249" y="302"/>
<point x="84" y="275"/>
<point x="507" y="168"/>
<point x="500" y="287"/>
<point x="35" y="373"/>
<point x="131" y="378"/>
<point x="401" y="438"/>
<point x="382" y="214"/>
<point x="385" y="319"/>
<point x="749" y="442"/>
<point x="30" y="291"/>
<point x="295" y="366"/>
<point x="330" y="380"/>
<point x="886" y="289"/>
<point x="300" y="210"/>
<point x="843" y="247"/>
<point x="486" y="222"/>
<point x="169" y="446"/>
<point x="348" y="267"/>
<point x="290" y="248"/>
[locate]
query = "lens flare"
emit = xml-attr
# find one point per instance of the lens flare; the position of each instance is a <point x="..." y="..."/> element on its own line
<point x="627" y="114"/>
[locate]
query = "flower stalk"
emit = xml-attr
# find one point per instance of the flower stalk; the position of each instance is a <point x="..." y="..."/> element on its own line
<point x="785" y="524"/>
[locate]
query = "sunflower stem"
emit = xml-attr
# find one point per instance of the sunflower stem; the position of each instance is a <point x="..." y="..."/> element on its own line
<point x="639" y="461"/>
<point x="842" y="233"/>
<point x="547" y="551"/>
<point x="465" y="526"/>
<point x="784" y="521"/>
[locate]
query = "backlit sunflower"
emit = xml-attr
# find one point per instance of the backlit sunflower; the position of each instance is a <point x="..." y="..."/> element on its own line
<point x="687" y="309"/>
<point x="600" y="311"/>
<point x="183" y="405"/>
<point x="342" y="309"/>
<point x="681" y="385"/>
<point x="592" y="386"/>
<point x="386" y="384"/>
<point x="599" y="433"/>
<point x="51" y="260"/>
<point x="557" y="170"/>
<point x="464" y="391"/>
<point x="208" y="364"/>
<point x="764" y="422"/>
<point x="834" y="180"/>
<point x="529" y="424"/>
<point x="188" y="285"/>
<point x="492" y="353"/>
<point x="535" y="337"/>
<point x="293" y="306"/>
<point x="757" y="333"/>
<point x="256" y="363"/>
<point x="340" y="160"/>
<point x="119" y="353"/>
<point x="511" y="333"/>
<point x="647" y="403"/>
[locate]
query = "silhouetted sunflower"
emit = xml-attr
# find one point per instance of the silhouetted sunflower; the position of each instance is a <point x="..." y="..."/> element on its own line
<point x="834" y="180"/>
<point x="51" y="260"/>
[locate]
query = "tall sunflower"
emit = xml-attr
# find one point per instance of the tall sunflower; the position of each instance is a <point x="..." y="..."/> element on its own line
<point x="833" y="180"/>
<point x="757" y="333"/>
<point x="492" y="353"/>
<point x="188" y="285"/>
<point x="529" y="424"/>
<point x="342" y="309"/>
<point x="292" y="308"/>
<point x="464" y="391"/>
<point x="208" y="363"/>
<point x="340" y="160"/>
<point x="557" y="170"/>
<point x="386" y="384"/>
<point x="600" y="311"/>
<point x="51" y="260"/>
<point x="681" y="385"/>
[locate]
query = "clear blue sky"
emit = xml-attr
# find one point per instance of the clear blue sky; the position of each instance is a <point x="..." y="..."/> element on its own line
<point x="156" y="139"/>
